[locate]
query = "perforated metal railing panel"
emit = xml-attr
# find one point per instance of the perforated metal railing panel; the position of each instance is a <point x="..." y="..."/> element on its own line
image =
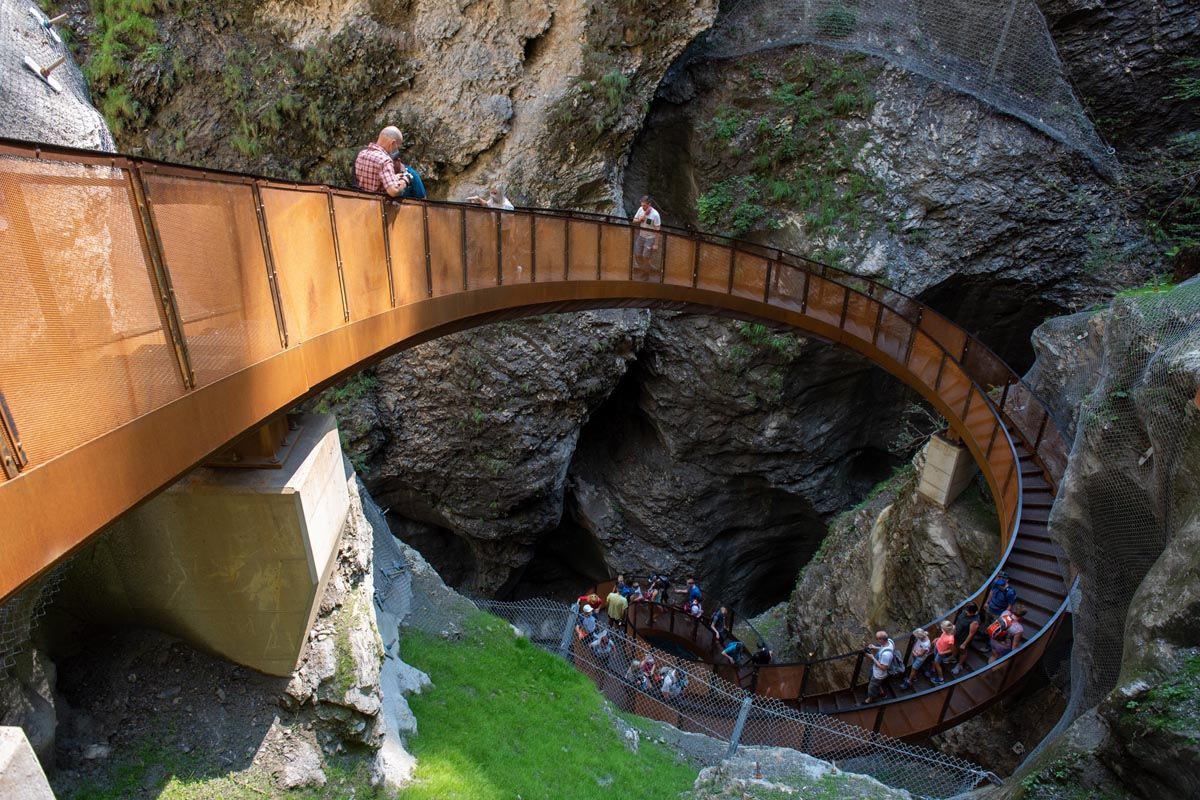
<point x="83" y="348"/>
<point x="213" y="250"/>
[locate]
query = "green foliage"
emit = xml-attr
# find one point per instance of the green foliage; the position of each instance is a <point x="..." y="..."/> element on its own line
<point x="784" y="345"/>
<point x="1174" y="179"/>
<point x="506" y="720"/>
<point x="837" y="21"/>
<point x="1187" y="87"/>
<point x="732" y="205"/>
<point x="124" y="34"/>
<point x="1171" y="707"/>
<point x="792" y="148"/>
<point x="336" y="398"/>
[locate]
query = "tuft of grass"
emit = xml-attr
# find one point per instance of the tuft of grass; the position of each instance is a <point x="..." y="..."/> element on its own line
<point x="798" y="153"/>
<point x="506" y="720"/>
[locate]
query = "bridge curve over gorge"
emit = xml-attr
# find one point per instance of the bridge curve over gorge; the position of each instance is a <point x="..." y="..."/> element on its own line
<point x="155" y="313"/>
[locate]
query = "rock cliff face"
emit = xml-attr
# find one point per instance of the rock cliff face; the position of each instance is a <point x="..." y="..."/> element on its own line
<point x="531" y="457"/>
<point x="1128" y="516"/>
<point x="894" y="563"/>
<point x="894" y="176"/>
<point x="545" y="95"/>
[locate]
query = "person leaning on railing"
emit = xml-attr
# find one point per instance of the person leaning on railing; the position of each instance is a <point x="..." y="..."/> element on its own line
<point x="378" y="168"/>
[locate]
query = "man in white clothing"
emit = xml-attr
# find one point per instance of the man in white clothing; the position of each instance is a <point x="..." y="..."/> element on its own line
<point x="645" y="247"/>
<point x="881" y="654"/>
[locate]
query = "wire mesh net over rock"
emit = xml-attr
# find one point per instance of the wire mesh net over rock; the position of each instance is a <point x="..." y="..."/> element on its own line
<point x="998" y="51"/>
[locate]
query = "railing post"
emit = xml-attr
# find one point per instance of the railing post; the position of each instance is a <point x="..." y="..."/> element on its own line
<point x="532" y="247"/>
<point x="499" y="248"/>
<point x="857" y="669"/>
<point x="767" y="283"/>
<point x="912" y="335"/>
<point x="804" y="294"/>
<point x="1041" y="430"/>
<point x="878" y="324"/>
<point x="567" y="251"/>
<point x="937" y="384"/>
<point x="387" y="253"/>
<point x="967" y="404"/>
<point x="804" y="682"/>
<point x="662" y="270"/>
<point x="428" y="264"/>
<point x="632" y="248"/>
<point x="698" y="241"/>
<point x="169" y="305"/>
<point x="845" y="308"/>
<point x="462" y="234"/>
<point x="269" y="258"/>
<point x="1004" y="396"/>
<point x="564" y="642"/>
<point x="739" y="725"/>
<point x="337" y="255"/>
<point x="992" y="440"/>
<point x="599" y="249"/>
<point x="946" y="703"/>
<point x="733" y="251"/>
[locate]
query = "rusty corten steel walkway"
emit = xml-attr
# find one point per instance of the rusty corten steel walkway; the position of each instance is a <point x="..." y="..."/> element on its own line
<point x="154" y="313"/>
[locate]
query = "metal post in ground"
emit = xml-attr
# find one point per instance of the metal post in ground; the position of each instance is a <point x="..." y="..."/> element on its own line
<point x="739" y="725"/>
<point x="564" y="644"/>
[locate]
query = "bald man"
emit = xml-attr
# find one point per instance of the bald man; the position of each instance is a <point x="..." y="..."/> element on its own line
<point x="375" y="168"/>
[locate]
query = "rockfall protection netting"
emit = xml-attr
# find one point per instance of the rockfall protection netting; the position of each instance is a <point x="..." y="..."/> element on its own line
<point x="998" y="51"/>
<point x="19" y="615"/>
<point x="1134" y="460"/>
<point x="691" y="698"/>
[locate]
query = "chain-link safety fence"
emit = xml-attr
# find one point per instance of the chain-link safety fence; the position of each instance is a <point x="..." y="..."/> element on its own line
<point x="662" y="684"/>
<point x="1130" y="484"/>
<point x="998" y="51"/>
<point x="19" y="615"/>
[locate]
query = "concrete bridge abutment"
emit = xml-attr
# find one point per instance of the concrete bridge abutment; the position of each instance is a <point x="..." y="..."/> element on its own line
<point x="233" y="561"/>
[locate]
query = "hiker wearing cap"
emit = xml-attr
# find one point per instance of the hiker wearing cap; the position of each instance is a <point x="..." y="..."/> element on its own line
<point x="585" y="626"/>
<point x="1001" y="597"/>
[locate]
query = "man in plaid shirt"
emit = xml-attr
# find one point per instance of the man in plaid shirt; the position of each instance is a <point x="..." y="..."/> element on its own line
<point x="375" y="167"/>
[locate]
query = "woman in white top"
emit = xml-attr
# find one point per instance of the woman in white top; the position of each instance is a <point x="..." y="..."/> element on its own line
<point x="920" y="653"/>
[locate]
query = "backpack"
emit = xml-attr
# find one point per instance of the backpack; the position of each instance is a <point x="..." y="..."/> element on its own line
<point x="896" y="667"/>
<point x="999" y="629"/>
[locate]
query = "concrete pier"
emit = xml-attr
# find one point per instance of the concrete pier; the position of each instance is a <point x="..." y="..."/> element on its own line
<point x="947" y="469"/>
<point x="231" y="560"/>
<point x="21" y="776"/>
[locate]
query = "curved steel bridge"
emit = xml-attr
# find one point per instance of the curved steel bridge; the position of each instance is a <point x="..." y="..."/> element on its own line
<point x="156" y="313"/>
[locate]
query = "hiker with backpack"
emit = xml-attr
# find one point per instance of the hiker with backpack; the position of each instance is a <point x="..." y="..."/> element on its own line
<point x="1007" y="632"/>
<point x="945" y="653"/>
<point x="885" y="662"/>
<point x="378" y="168"/>
<point x="1001" y="597"/>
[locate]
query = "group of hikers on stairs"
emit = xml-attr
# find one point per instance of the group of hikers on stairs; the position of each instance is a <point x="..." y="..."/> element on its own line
<point x="974" y="637"/>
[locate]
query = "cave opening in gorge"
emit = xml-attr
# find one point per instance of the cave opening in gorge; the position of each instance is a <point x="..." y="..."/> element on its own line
<point x="641" y="497"/>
